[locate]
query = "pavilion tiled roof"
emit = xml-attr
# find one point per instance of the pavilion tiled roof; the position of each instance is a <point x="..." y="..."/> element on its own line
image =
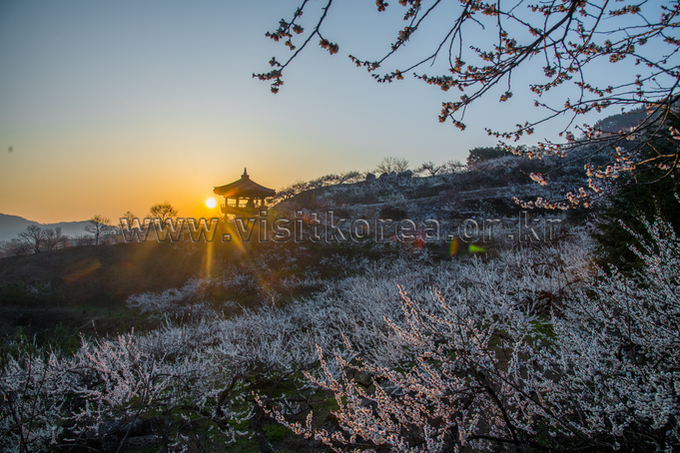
<point x="244" y="187"/>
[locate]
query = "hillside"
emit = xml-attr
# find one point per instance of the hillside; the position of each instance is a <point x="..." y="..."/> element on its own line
<point x="77" y="285"/>
<point x="486" y="189"/>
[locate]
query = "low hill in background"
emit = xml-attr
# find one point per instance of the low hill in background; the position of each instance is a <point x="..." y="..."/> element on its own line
<point x="12" y="225"/>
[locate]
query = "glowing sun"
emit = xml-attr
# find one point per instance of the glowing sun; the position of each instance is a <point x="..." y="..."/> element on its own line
<point x="211" y="202"/>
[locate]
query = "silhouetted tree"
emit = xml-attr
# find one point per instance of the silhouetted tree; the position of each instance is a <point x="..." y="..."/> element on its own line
<point x="430" y="168"/>
<point x="453" y="166"/>
<point x="15" y="247"/>
<point x="129" y="216"/>
<point x="162" y="211"/>
<point x="54" y="239"/>
<point x="98" y="226"/>
<point x="392" y="164"/>
<point x="350" y="176"/>
<point x="35" y="236"/>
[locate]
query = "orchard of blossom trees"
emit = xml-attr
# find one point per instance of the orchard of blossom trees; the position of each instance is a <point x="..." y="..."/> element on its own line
<point x="534" y="348"/>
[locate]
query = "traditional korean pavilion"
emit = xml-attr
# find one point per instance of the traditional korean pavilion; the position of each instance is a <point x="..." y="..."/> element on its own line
<point x="243" y="196"/>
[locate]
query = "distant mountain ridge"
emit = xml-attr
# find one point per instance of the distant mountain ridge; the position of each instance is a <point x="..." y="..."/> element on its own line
<point x="12" y="225"/>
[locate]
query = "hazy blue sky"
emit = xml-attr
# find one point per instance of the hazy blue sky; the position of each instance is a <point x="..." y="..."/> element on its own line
<point x="110" y="106"/>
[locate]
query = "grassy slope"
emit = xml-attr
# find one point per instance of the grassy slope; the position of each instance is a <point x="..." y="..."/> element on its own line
<point x="77" y="285"/>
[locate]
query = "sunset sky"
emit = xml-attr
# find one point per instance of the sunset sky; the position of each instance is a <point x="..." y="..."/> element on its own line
<point x="110" y="106"/>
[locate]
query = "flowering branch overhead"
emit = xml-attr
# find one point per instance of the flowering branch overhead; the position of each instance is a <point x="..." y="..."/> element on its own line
<point x="571" y="39"/>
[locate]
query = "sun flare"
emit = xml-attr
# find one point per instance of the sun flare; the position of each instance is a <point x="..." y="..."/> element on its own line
<point x="211" y="202"/>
